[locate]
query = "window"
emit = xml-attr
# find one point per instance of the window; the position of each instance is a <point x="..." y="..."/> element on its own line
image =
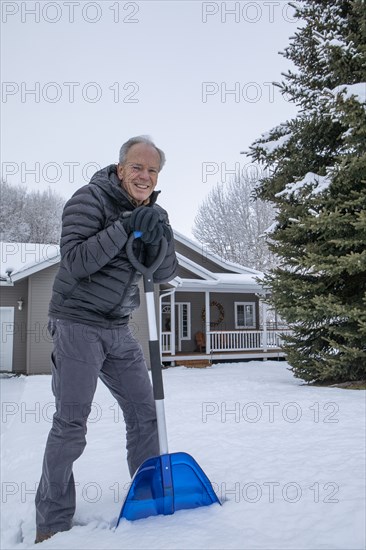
<point x="184" y="320"/>
<point x="244" y="315"/>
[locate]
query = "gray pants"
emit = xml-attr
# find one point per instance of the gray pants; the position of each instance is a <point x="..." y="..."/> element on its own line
<point x="81" y="354"/>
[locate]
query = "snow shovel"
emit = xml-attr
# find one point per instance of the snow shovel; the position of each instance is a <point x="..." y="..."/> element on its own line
<point x="169" y="482"/>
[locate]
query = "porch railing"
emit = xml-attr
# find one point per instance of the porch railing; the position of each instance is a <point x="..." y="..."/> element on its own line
<point x="236" y="340"/>
<point x="165" y="342"/>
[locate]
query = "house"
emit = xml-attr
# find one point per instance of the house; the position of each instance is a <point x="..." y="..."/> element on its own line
<point x="27" y="271"/>
<point x="213" y="309"/>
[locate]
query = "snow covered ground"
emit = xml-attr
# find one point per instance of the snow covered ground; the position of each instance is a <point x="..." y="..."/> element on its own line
<point x="286" y="459"/>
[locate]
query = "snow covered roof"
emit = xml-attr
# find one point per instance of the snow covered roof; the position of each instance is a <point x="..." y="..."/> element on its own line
<point x="215" y="281"/>
<point x="195" y="268"/>
<point x="222" y="282"/>
<point x="197" y="247"/>
<point x="23" y="259"/>
<point x="19" y="260"/>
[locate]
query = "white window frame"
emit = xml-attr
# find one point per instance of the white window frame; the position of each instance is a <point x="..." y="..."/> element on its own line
<point x="245" y="326"/>
<point x="181" y="320"/>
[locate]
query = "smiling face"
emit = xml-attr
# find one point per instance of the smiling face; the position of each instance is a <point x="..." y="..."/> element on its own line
<point x="139" y="172"/>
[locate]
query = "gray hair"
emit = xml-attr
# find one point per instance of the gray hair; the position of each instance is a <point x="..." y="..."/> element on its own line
<point x="140" y="139"/>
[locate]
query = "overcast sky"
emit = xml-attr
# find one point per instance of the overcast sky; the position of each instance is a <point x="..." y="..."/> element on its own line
<point x="80" y="78"/>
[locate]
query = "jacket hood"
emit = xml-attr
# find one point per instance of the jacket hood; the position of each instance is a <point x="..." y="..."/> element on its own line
<point x="107" y="180"/>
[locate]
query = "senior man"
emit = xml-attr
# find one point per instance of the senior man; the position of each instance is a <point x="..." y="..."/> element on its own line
<point x="94" y="293"/>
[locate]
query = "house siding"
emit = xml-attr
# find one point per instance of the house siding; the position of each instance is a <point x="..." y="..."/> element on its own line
<point x="9" y="296"/>
<point x="186" y="273"/>
<point x="39" y="341"/>
<point x="200" y="258"/>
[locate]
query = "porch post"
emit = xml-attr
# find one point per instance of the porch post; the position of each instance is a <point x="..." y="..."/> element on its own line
<point x="172" y="323"/>
<point x="208" y="322"/>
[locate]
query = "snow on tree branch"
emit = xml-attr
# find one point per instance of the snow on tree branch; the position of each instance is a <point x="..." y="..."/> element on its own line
<point x="318" y="184"/>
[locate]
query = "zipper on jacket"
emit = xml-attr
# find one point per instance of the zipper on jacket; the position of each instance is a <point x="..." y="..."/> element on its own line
<point x="133" y="272"/>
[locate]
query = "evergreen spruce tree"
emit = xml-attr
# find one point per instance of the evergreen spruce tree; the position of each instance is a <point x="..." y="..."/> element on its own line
<point x="317" y="183"/>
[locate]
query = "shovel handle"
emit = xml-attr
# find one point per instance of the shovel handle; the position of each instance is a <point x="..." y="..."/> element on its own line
<point x="138" y="265"/>
<point x="154" y="347"/>
<point x="147" y="271"/>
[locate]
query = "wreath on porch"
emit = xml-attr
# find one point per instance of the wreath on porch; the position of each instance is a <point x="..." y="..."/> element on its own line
<point x="221" y="313"/>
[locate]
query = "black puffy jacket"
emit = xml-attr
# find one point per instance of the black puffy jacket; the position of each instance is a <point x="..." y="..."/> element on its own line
<point x="96" y="283"/>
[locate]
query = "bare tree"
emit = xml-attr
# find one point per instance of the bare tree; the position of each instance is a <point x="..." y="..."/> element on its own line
<point x="29" y="216"/>
<point x="12" y="203"/>
<point x="232" y="222"/>
<point x="43" y="215"/>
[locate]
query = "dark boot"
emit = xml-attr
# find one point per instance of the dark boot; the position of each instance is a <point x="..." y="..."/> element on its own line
<point x="40" y="537"/>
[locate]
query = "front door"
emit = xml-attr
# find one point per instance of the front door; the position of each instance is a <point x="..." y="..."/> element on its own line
<point x="7" y="337"/>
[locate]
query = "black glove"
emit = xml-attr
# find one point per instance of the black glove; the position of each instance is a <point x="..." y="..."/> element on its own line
<point x="146" y="220"/>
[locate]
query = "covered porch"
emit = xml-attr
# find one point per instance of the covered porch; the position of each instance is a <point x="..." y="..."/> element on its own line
<point x="223" y="324"/>
<point x="222" y="347"/>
